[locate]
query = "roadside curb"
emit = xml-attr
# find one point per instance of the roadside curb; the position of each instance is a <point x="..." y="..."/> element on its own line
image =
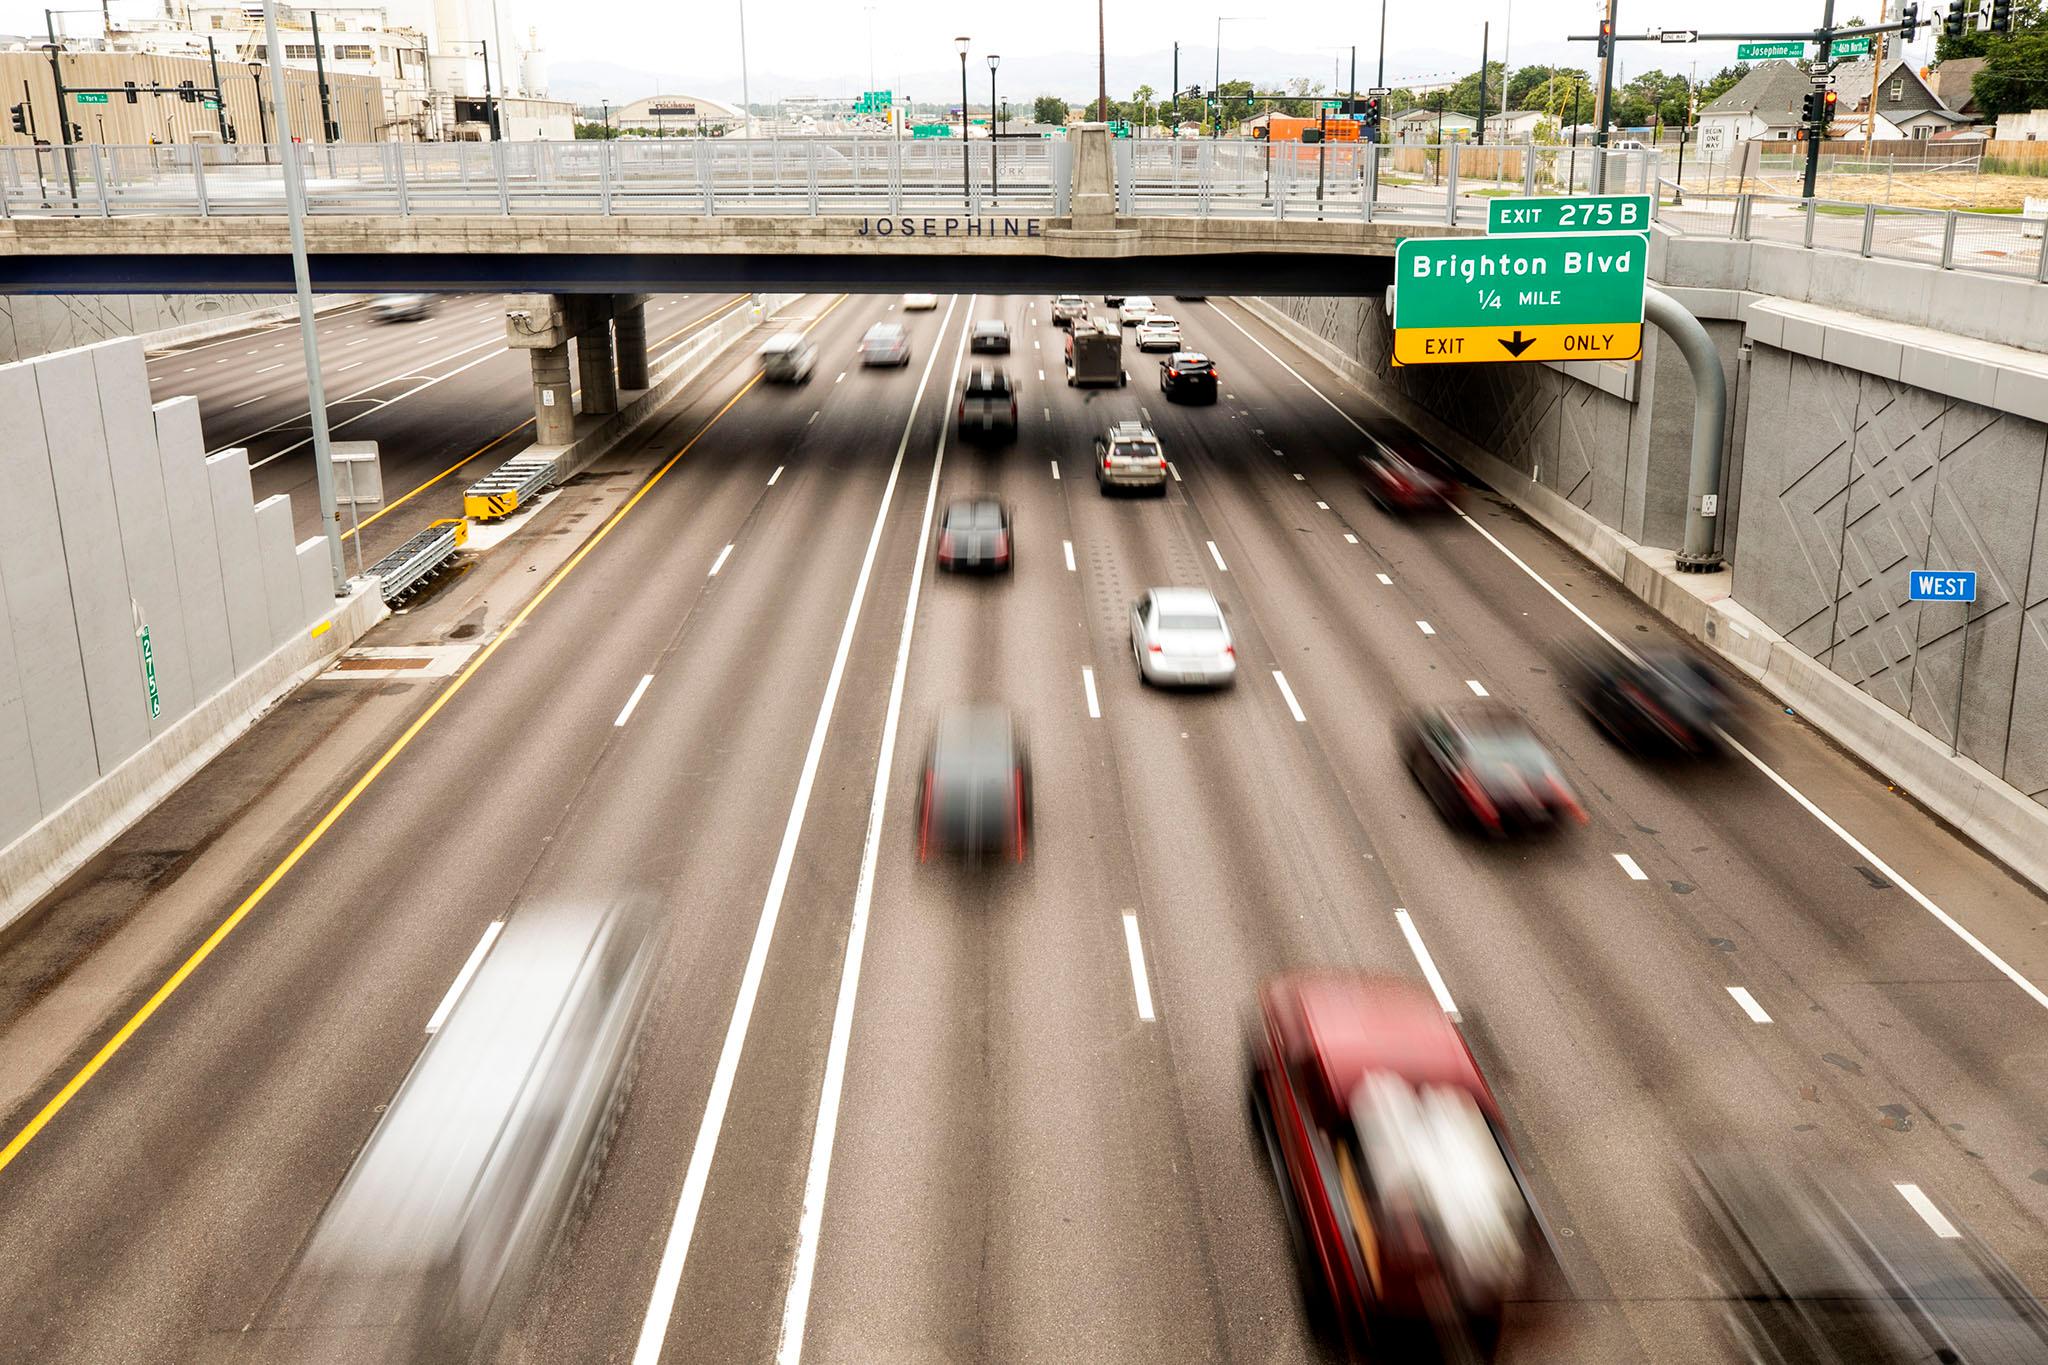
<point x="65" y="840"/>
<point x="1976" y="802"/>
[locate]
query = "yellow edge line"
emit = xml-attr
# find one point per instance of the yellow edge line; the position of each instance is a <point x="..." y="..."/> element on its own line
<point x="291" y="860"/>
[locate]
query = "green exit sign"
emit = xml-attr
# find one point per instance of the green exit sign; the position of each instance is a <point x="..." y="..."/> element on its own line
<point x="1576" y="213"/>
<point x="92" y="97"/>
<point x="1764" y="52"/>
<point x="1475" y="299"/>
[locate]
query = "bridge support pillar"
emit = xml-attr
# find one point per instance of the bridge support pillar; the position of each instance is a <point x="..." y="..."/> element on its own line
<point x="554" y="419"/>
<point x="594" y="369"/>
<point x="630" y="327"/>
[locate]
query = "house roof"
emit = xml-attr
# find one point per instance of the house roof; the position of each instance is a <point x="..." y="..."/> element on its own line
<point x="1419" y="114"/>
<point x="1772" y="91"/>
<point x="1952" y="83"/>
<point x="1852" y="80"/>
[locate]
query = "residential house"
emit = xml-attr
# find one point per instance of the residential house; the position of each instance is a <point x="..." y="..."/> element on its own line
<point x="1429" y="126"/>
<point x="1514" y="125"/>
<point x="1953" y="81"/>
<point x="1766" y="104"/>
<point x="1907" y="106"/>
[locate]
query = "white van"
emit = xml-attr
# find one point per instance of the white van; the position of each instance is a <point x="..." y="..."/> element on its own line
<point x="788" y="359"/>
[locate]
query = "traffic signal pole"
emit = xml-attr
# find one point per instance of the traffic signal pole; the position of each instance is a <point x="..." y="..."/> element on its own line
<point x="63" y="107"/>
<point x="1817" y="127"/>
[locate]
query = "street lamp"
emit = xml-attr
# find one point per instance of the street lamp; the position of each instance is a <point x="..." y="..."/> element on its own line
<point x="966" y="186"/>
<point x="262" y="118"/>
<point x="992" y="60"/>
<point x="1216" y="87"/>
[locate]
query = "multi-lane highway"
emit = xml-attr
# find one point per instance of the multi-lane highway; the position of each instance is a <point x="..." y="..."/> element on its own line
<point x="444" y="397"/>
<point x="887" y="1111"/>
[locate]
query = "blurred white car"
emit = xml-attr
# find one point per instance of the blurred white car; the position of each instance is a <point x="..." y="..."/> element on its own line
<point x="1159" y="333"/>
<point x="1134" y="308"/>
<point x="1178" y="638"/>
<point x="401" y="307"/>
<point x="920" y="303"/>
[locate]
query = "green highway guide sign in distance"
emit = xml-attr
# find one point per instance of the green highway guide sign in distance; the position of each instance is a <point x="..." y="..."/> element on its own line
<point x="1569" y="213"/>
<point x="1464" y="299"/>
<point x="91" y="97"/>
<point x="1763" y="52"/>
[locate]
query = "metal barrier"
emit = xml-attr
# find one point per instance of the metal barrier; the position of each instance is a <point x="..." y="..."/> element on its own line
<point x="1953" y="239"/>
<point x="420" y="560"/>
<point x="507" y="488"/>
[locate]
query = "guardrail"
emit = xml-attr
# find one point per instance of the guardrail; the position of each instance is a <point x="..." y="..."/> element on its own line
<point x="420" y="560"/>
<point x="505" y="489"/>
<point x="1953" y="239"/>
<point x="800" y="176"/>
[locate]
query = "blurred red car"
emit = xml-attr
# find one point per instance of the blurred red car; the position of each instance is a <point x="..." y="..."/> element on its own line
<point x="1484" y="767"/>
<point x="1402" y="474"/>
<point x="1409" y="1215"/>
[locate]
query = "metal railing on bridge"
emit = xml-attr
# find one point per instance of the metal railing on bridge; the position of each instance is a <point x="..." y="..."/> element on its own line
<point x="801" y="176"/>
<point x="1953" y="239"/>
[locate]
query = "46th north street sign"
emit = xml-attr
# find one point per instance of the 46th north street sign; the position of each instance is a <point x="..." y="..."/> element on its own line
<point x="1467" y="299"/>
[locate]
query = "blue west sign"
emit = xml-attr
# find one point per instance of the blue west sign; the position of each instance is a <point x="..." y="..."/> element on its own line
<point x="1943" y="585"/>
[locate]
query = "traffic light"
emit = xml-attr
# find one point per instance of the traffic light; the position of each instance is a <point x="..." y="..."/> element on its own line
<point x="2001" y="16"/>
<point x="128" y="88"/>
<point x="1819" y="109"/>
<point x="1956" y="21"/>
<point x="20" y="115"/>
<point x="77" y="133"/>
<point x="1606" y="37"/>
<point x="187" y="92"/>
<point x="333" y="131"/>
<point x="1311" y="135"/>
<point x="1909" y="15"/>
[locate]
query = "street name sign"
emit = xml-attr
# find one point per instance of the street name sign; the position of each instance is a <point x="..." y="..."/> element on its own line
<point x="91" y="97"/>
<point x="1462" y="300"/>
<point x="1763" y="52"/>
<point x="1850" y="47"/>
<point x="1943" y="585"/>
<point x="1561" y="213"/>
<point x="156" y="701"/>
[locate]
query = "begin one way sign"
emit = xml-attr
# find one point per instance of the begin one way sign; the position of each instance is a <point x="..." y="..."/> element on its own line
<point x="1467" y="299"/>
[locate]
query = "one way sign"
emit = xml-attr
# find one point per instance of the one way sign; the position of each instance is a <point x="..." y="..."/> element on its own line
<point x="1943" y="585"/>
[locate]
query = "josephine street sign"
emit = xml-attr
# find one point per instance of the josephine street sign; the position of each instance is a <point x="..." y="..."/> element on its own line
<point x="1466" y="299"/>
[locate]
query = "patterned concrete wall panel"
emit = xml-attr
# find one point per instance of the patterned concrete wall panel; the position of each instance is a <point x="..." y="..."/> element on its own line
<point x="39" y="600"/>
<point x="284" y="597"/>
<point x="241" y="565"/>
<point x="125" y="412"/>
<point x="19" y="805"/>
<point x="316" y="580"/>
<point x="2026" y="741"/>
<point x="67" y="386"/>
<point x="188" y="501"/>
<point x="1793" y="487"/>
<point x="36" y="324"/>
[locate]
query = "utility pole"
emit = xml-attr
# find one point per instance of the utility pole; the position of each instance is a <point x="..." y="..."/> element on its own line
<point x="320" y="75"/>
<point x="63" y="108"/>
<point x="1174" y="131"/>
<point x="1101" y="66"/>
<point x="1485" y="45"/>
<point x="1877" y="47"/>
<point x="1817" y="132"/>
<point x="1380" y="82"/>
<point x="1601" y="107"/>
<point x="220" y="96"/>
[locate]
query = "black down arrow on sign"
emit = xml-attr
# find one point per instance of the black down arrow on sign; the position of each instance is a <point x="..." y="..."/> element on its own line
<point x="1518" y="343"/>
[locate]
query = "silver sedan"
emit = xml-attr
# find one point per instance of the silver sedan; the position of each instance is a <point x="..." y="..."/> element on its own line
<point x="1179" y="638"/>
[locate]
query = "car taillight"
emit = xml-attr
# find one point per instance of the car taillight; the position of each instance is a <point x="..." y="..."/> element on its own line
<point x="1231" y="650"/>
<point x="961" y="411"/>
<point x="945" y="545"/>
<point x="1156" y="649"/>
<point x="1108" y="462"/>
<point x="1162" y="462"/>
<point x="1213" y="374"/>
<point x="924" y="820"/>
<point x="1002" y="545"/>
<point x="1478" y="801"/>
<point x="1567" y="800"/>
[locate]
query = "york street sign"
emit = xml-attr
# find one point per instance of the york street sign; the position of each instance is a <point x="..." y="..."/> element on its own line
<point x="1583" y="213"/>
<point x="1471" y="299"/>
<point x="1943" y="585"/>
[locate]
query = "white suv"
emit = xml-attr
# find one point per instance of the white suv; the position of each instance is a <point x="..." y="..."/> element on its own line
<point x="1134" y="308"/>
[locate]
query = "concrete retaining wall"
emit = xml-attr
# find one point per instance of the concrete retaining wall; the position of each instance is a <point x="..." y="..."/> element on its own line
<point x="38" y="324"/>
<point x="114" y="520"/>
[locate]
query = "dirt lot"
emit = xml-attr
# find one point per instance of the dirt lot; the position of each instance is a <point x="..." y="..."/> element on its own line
<point x="1923" y="189"/>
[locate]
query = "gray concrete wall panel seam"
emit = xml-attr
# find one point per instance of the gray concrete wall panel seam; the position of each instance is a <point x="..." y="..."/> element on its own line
<point x="188" y="502"/>
<point x="284" y="596"/>
<point x="241" y="564"/>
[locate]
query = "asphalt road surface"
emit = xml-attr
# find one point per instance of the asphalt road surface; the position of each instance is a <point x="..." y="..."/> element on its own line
<point x="892" y="1112"/>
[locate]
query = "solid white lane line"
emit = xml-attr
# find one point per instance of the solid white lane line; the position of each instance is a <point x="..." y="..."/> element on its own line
<point x="1217" y="555"/>
<point x="1384" y="579"/>
<point x="1877" y="864"/>
<point x="1141" y="983"/>
<point x="1324" y="506"/>
<point x="796" y="1305"/>
<point x="476" y="960"/>
<point x="776" y="475"/>
<point x="1428" y="965"/>
<point x="1068" y="546"/>
<point x="1088" y="686"/>
<point x="1425" y="627"/>
<point x="668" y="1277"/>
<point x="719" y="562"/>
<point x="1287" y="693"/>
<point x="1055" y="469"/>
<point x="626" y="712"/>
<point x="1749" y="1005"/>
<point x="1173" y="471"/>
<point x="1628" y="865"/>
<point x="1932" y="1216"/>
<point x="1478" y="687"/>
<point x="247" y="401"/>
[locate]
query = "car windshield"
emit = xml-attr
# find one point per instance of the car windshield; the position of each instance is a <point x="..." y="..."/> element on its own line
<point x="1137" y="301"/>
<point x="1157" y="321"/>
<point x="1192" y="362"/>
<point x="967" y="516"/>
<point x="883" y="331"/>
<point x="987" y="384"/>
<point x="1514" y="749"/>
<point x="990" y="329"/>
<point x="1134" y="450"/>
<point x="1187" y="620"/>
<point x="1069" y="301"/>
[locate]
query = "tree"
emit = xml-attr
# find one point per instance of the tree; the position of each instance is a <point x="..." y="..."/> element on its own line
<point x="2015" y="76"/>
<point x="1398" y="101"/>
<point x="2027" y="17"/>
<point x="594" y="132"/>
<point x="1465" y="94"/>
<point x="1721" y="82"/>
<point x="1650" y="98"/>
<point x="1531" y="86"/>
<point x="1049" y="109"/>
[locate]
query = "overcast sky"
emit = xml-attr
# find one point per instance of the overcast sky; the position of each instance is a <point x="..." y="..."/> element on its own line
<point x="821" y="46"/>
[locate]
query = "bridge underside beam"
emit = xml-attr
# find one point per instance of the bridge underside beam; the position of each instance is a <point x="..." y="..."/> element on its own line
<point x="941" y="270"/>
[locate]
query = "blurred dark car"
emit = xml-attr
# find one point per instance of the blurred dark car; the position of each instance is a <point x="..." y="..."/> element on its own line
<point x="1829" y="1272"/>
<point x="1663" y="701"/>
<point x="432" y="1243"/>
<point x="1402" y="474"/>
<point x="1484" y="768"/>
<point x="1188" y="376"/>
<point x="987" y="410"/>
<point x="1409" y="1215"/>
<point x="990" y="338"/>
<point x="1113" y="300"/>
<point x="974" y="534"/>
<point x="976" y="798"/>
